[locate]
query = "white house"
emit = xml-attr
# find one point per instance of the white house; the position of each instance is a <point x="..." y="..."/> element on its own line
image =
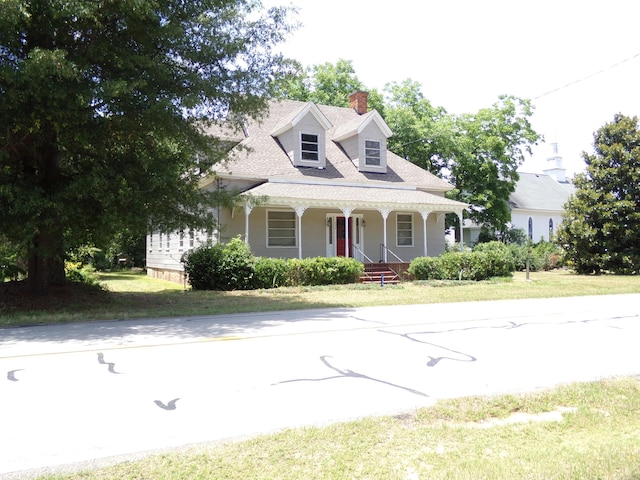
<point x="318" y="180"/>
<point x="537" y="204"/>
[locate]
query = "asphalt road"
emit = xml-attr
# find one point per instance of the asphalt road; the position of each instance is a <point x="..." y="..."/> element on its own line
<point x="104" y="390"/>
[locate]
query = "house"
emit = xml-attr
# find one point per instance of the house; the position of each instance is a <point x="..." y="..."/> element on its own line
<point x="537" y="204"/>
<point x="318" y="180"/>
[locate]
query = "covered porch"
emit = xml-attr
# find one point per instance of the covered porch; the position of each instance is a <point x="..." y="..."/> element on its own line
<point x="372" y="224"/>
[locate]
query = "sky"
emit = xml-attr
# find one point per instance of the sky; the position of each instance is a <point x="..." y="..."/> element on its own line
<point x="578" y="61"/>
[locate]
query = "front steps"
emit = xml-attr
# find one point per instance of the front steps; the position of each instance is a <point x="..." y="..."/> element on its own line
<point x="379" y="273"/>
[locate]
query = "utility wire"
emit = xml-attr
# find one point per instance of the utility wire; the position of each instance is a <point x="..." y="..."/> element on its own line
<point x="588" y="76"/>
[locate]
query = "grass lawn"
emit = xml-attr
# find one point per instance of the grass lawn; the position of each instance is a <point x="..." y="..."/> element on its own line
<point x="581" y="431"/>
<point x="133" y="295"/>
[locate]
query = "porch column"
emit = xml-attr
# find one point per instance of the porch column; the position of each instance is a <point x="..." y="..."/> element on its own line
<point x="425" y="215"/>
<point x="299" y="213"/>
<point x="247" y="212"/>
<point x="347" y="213"/>
<point x="385" y="214"/>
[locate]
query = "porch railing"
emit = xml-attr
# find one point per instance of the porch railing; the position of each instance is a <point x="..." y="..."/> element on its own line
<point x="385" y="252"/>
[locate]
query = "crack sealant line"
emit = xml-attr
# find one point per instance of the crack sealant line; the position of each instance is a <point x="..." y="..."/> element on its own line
<point x="256" y="335"/>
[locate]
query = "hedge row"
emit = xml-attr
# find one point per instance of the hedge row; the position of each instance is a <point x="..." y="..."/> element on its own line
<point x="487" y="260"/>
<point x="232" y="266"/>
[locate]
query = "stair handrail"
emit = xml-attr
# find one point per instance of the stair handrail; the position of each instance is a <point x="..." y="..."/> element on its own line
<point x="384" y="258"/>
<point x="360" y="255"/>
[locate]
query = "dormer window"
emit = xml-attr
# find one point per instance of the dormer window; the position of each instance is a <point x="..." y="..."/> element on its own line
<point x="309" y="146"/>
<point x="372" y="150"/>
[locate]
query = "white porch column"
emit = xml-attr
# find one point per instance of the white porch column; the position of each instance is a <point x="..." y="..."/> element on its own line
<point x="247" y="212"/>
<point x="385" y="214"/>
<point x="299" y="213"/>
<point x="425" y="215"/>
<point x="347" y="213"/>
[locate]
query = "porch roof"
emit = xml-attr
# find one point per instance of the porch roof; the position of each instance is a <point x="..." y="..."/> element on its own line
<point x="354" y="197"/>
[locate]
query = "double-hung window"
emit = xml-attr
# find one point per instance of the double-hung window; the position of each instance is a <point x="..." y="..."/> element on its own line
<point x="309" y="147"/>
<point x="404" y="229"/>
<point x="372" y="149"/>
<point x="281" y="229"/>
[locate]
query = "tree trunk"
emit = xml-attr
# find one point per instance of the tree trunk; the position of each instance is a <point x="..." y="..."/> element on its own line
<point x="46" y="250"/>
<point x="46" y="261"/>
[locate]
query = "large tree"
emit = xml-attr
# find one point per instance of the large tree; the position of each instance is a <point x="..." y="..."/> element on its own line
<point x="103" y="107"/>
<point x="601" y="227"/>
<point x="488" y="148"/>
<point x="329" y="84"/>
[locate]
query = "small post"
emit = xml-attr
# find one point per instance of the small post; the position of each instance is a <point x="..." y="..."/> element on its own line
<point x="382" y="280"/>
<point x="528" y="265"/>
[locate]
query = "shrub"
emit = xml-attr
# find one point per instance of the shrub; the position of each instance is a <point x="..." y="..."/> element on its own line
<point x="324" y="271"/>
<point x="426" y="268"/>
<point x="76" y="272"/>
<point x="271" y="272"/>
<point x="232" y="266"/>
<point x="496" y="259"/>
<point x="542" y="256"/>
<point x="491" y="259"/>
<point x="229" y="266"/>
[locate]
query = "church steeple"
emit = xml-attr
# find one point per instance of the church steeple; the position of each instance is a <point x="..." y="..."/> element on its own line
<point x="556" y="170"/>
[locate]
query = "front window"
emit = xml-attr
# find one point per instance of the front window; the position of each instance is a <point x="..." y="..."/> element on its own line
<point x="309" y="147"/>
<point x="550" y="228"/>
<point x="372" y="152"/>
<point x="404" y="230"/>
<point x="191" y="238"/>
<point x="281" y="229"/>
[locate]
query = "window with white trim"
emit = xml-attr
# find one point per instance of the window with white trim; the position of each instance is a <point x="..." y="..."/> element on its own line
<point x="372" y="152"/>
<point x="192" y="238"/>
<point x="309" y="147"/>
<point x="281" y="229"/>
<point x="404" y="229"/>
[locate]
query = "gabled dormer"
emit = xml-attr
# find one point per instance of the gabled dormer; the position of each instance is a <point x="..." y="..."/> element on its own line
<point x="302" y="135"/>
<point x="364" y="139"/>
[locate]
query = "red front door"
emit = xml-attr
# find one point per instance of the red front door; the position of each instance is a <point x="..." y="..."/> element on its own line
<point x="341" y="236"/>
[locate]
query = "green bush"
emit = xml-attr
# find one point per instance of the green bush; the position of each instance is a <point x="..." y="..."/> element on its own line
<point x="324" y="271"/>
<point x="271" y="273"/>
<point x="228" y="266"/>
<point x="426" y="268"/>
<point x="496" y="259"/>
<point x="542" y="256"/>
<point x="77" y="272"/>
<point x="232" y="266"/>
<point x="492" y="259"/>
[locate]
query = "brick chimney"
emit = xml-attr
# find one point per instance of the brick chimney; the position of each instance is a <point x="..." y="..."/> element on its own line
<point x="358" y="101"/>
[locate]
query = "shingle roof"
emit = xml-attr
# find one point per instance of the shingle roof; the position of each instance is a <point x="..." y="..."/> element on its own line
<point x="263" y="157"/>
<point x="318" y="195"/>
<point x="536" y="191"/>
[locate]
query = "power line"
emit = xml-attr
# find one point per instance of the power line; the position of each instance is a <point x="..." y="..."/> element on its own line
<point x="588" y="76"/>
